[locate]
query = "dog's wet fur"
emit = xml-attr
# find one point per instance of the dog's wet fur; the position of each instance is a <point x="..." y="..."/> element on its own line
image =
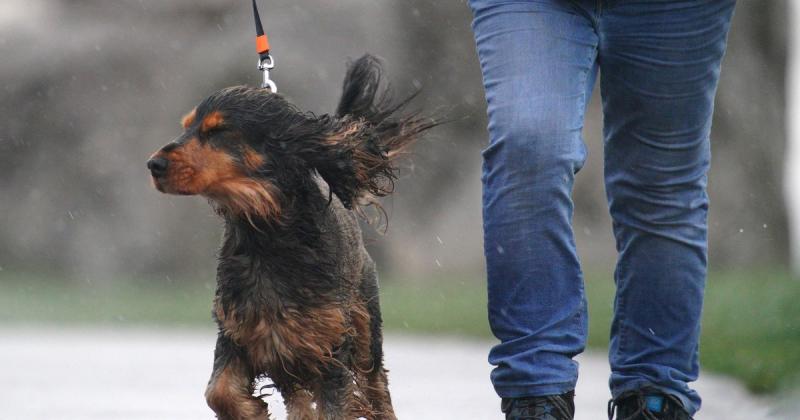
<point x="297" y="292"/>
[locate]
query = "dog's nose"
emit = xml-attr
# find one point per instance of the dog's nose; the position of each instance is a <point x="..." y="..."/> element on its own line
<point x="157" y="166"/>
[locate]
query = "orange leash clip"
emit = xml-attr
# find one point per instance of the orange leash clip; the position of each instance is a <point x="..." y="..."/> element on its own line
<point x="265" y="60"/>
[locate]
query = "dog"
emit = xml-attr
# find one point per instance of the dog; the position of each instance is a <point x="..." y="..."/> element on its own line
<point x="297" y="292"/>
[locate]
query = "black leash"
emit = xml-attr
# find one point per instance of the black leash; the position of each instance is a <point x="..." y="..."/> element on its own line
<point x="265" y="60"/>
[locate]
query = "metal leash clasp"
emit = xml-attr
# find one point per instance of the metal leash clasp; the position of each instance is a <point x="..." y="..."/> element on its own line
<point x="265" y="65"/>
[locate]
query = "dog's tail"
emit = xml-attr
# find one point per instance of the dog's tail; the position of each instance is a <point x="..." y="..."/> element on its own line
<point x="361" y="91"/>
<point x="371" y="134"/>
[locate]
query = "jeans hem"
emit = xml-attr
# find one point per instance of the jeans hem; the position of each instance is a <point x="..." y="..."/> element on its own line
<point x="534" y="390"/>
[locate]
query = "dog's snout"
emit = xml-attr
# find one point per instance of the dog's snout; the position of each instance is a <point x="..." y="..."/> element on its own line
<point x="169" y="147"/>
<point x="157" y="166"/>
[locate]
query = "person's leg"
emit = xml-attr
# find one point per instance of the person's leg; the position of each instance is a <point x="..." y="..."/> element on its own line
<point x="659" y="66"/>
<point x="538" y="63"/>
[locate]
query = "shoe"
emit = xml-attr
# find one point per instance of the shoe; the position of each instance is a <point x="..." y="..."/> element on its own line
<point x="647" y="404"/>
<point x="549" y="407"/>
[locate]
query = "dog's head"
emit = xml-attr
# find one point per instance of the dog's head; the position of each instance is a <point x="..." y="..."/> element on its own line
<point x="230" y="151"/>
<point x="248" y="149"/>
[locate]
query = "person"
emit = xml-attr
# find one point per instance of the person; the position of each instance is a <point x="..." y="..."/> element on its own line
<point x="659" y="64"/>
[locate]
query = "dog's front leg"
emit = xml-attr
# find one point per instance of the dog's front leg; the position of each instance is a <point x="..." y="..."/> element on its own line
<point x="336" y="395"/>
<point x="299" y="404"/>
<point x="230" y="389"/>
<point x="336" y="398"/>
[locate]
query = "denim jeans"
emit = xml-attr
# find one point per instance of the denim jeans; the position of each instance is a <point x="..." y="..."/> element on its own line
<point x="659" y="64"/>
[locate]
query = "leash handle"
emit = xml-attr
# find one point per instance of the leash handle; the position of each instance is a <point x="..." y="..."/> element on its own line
<point x="265" y="60"/>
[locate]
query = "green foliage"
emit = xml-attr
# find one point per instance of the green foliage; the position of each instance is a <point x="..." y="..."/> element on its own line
<point x="39" y="299"/>
<point x="751" y="328"/>
<point x="751" y="322"/>
<point x="437" y="306"/>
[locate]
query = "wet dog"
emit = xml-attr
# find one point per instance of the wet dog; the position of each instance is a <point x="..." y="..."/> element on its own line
<point x="297" y="293"/>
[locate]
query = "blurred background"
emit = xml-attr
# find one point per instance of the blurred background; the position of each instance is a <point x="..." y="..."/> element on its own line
<point x="90" y="88"/>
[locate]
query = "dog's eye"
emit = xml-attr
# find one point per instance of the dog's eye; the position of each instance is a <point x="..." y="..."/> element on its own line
<point x="217" y="129"/>
<point x="215" y="132"/>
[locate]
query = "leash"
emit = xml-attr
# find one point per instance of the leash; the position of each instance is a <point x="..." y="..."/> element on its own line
<point x="265" y="60"/>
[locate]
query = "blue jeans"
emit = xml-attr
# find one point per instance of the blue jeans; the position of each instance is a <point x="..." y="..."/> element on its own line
<point x="659" y="63"/>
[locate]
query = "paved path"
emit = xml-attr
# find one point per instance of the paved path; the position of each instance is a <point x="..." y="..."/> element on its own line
<point x="108" y="374"/>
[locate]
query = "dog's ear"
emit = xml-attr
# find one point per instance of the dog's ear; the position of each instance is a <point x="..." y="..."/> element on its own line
<point x="357" y="160"/>
<point x="358" y="153"/>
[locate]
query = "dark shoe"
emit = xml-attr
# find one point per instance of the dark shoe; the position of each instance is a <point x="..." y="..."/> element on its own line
<point x="549" y="407"/>
<point x="647" y="404"/>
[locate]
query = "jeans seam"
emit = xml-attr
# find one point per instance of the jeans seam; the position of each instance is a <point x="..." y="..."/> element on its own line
<point x="619" y="312"/>
<point x="582" y="313"/>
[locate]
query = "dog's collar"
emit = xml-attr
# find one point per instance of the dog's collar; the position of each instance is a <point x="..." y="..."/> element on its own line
<point x="265" y="60"/>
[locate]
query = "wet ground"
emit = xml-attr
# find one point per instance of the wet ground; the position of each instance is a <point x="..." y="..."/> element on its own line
<point x="48" y="373"/>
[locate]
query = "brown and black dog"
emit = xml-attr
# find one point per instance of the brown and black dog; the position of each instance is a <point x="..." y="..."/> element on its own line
<point x="297" y="293"/>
